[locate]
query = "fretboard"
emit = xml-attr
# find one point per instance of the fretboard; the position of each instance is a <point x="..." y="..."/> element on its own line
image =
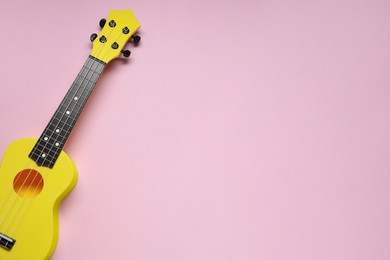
<point x="50" y="143"/>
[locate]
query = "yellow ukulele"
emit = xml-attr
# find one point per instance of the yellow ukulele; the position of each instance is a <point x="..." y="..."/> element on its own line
<point x="35" y="174"/>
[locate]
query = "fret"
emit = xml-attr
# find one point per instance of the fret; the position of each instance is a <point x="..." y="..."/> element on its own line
<point x="93" y="66"/>
<point x="40" y="147"/>
<point x="62" y="123"/>
<point x="89" y="85"/>
<point x="49" y="160"/>
<point x="49" y="156"/>
<point x="48" y="152"/>
<point x="81" y="80"/>
<point x="79" y="90"/>
<point x="56" y="133"/>
<point x="74" y="98"/>
<point x="50" y="133"/>
<point x="50" y="143"/>
<point x="94" y="77"/>
<point x="90" y="76"/>
<point x="60" y="117"/>
<point x="71" y="104"/>
<point x="65" y="112"/>
<point x="53" y="139"/>
<point x="56" y="130"/>
<point x="80" y="100"/>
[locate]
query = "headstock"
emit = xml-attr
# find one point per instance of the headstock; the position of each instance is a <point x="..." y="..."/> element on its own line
<point x="116" y="31"/>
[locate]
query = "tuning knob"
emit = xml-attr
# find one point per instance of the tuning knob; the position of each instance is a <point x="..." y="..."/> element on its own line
<point x="126" y="53"/>
<point x="136" y="39"/>
<point x="93" y="37"/>
<point x="102" y="22"/>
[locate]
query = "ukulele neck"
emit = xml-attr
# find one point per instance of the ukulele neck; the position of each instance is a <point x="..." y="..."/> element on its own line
<point x="51" y="142"/>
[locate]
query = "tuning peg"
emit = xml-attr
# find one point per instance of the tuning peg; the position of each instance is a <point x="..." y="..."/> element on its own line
<point x="126" y="53"/>
<point x="102" y="22"/>
<point x="93" y="37"/>
<point x="136" y="39"/>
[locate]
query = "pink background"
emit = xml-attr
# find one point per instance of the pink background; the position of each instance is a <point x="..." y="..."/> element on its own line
<point x="239" y="129"/>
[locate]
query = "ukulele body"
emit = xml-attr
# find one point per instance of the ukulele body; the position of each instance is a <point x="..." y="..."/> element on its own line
<point x="30" y="216"/>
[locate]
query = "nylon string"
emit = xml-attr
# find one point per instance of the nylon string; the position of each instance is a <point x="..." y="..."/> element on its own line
<point x="35" y="167"/>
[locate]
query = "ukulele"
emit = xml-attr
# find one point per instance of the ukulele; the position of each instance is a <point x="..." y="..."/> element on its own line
<point x="35" y="173"/>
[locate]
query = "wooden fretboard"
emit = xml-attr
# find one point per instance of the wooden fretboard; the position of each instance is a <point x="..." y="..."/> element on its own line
<point x="50" y="143"/>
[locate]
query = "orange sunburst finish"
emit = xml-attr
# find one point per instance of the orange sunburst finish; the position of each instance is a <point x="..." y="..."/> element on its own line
<point x="33" y="224"/>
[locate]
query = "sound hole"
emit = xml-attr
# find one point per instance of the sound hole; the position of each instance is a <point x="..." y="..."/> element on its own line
<point x="28" y="183"/>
